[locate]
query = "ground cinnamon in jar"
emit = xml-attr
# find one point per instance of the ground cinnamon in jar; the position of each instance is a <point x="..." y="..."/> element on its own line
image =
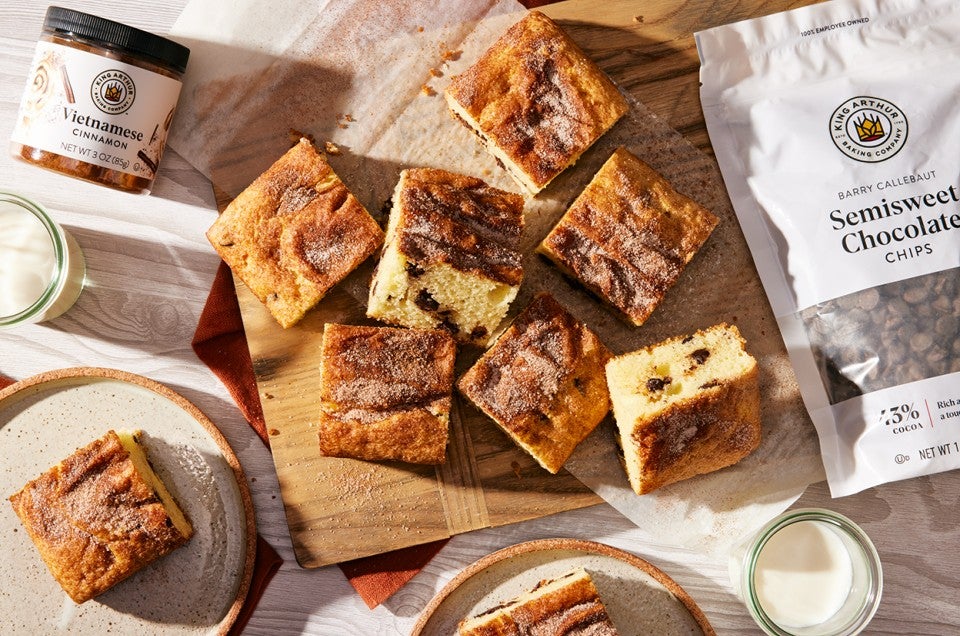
<point x="99" y="100"/>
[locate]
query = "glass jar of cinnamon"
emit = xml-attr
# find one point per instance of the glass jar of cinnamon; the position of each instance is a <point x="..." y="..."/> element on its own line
<point x="99" y="100"/>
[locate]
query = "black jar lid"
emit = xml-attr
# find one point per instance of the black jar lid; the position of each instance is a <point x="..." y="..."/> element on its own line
<point x="137" y="42"/>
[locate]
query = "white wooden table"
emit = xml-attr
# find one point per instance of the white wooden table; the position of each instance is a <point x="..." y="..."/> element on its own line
<point x="149" y="271"/>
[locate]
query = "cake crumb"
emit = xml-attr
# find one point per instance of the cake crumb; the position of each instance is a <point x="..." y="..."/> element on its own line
<point x="449" y="55"/>
<point x="419" y="29"/>
<point x="426" y="90"/>
<point x="435" y="72"/>
<point x="294" y="136"/>
<point x="638" y="19"/>
<point x="331" y="148"/>
<point x="274" y="432"/>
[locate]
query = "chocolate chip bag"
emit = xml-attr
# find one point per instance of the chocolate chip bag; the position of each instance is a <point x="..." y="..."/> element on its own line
<point x="837" y="130"/>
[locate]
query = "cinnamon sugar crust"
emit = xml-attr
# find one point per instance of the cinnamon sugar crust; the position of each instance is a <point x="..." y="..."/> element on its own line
<point x="568" y="605"/>
<point x="461" y="221"/>
<point x="628" y="236"/>
<point x="95" y="520"/>
<point x="543" y="382"/>
<point x="451" y="258"/>
<point x="385" y="393"/>
<point x="294" y="233"/>
<point x="536" y="100"/>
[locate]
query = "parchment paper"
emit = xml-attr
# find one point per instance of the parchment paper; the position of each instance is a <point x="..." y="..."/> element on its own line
<point x="357" y="73"/>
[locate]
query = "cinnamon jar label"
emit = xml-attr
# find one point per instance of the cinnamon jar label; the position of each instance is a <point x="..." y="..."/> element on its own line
<point x="96" y="109"/>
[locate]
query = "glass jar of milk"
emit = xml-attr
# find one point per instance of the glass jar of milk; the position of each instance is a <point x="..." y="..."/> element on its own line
<point x="809" y="572"/>
<point x="41" y="266"/>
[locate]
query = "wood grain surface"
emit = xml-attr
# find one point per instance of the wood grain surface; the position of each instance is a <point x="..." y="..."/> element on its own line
<point x="150" y="267"/>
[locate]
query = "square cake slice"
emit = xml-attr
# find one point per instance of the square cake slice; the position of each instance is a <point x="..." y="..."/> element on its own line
<point x="536" y="101"/>
<point x="542" y="382"/>
<point x="385" y="393"/>
<point x="568" y="605"/>
<point x="294" y="233"/>
<point x="686" y="406"/>
<point x="451" y="258"/>
<point x="100" y="515"/>
<point x="628" y="236"/>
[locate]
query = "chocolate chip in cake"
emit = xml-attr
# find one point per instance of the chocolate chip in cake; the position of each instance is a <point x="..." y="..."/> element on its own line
<point x="700" y="355"/>
<point x="425" y="301"/>
<point x="450" y="326"/>
<point x="414" y="270"/>
<point x="658" y="384"/>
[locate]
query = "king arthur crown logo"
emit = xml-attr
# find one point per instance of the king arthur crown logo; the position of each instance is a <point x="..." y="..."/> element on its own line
<point x="868" y="129"/>
<point x="113" y="91"/>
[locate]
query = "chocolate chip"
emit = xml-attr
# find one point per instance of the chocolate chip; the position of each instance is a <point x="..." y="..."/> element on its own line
<point x="450" y="326"/>
<point x="414" y="270"/>
<point x="700" y="355"/>
<point x="425" y="301"/>
<point x="657" y="384"/>
<point x="886" y="336"/>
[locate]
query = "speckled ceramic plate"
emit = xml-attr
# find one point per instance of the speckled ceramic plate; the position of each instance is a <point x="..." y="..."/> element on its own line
<point x="198" y="588"/>
<point x="639" y="598"/>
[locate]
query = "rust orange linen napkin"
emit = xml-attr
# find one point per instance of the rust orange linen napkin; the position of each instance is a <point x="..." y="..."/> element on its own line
<point x="265" y="565"/>
<point x="220" y="342"/>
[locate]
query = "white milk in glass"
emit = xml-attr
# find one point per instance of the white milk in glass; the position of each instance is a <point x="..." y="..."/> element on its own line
<point x="42" y="269"/>
<point x="27" y="259"/>
<point x="803" y="574"/>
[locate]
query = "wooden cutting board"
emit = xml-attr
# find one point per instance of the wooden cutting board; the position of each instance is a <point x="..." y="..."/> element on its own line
<point x="342" y="509"/>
